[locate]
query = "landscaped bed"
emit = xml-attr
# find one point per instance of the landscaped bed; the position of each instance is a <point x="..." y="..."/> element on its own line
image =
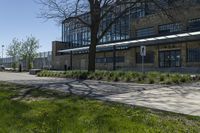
<point x="26" y="109"/>
<point x="137" y="77"/>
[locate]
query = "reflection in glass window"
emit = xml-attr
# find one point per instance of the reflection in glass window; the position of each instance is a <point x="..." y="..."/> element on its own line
<point x="170" y="28"/>
<point x="77" y="34"/>
<point x="145" y="32"/>
<point x="194" y="24"/>
<point x="149" y="58"/>
<point x="118" y="59"/>
<point x="194" y="55"/>
<point x="100" y="60"/>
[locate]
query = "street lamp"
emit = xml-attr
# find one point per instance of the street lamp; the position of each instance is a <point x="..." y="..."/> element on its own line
<point x="2" y="46"/>
<point x="2" y="50"/>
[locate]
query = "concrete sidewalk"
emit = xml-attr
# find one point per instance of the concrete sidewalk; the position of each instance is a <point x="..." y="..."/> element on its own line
<point x="180" y="99"/>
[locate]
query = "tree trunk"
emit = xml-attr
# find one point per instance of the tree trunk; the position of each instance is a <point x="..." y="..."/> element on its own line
<point x="94" y="28"/>
<point x="92" y="53"/>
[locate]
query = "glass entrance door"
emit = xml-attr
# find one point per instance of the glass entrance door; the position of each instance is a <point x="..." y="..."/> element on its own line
<point x="170" y="58"/>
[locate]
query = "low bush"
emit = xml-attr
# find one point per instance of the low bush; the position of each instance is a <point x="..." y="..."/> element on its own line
<point x="168" y="82"/>
<point x="176" y="79"/>
<point x="162" y="78"/>
<point x="150" y="77"/>
<point x="151" y="81"/>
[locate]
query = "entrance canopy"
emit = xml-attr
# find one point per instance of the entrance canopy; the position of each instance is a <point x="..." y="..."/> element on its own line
<point x="189" y="36"/>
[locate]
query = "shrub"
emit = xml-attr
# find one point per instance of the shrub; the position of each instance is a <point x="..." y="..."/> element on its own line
<point x="162" y="78"/>
<point x="127" y="76"/>
<point x="151" y="81"/>
<point x="153" y="74"/>
<point x="127" y="79"/>
<point x="91" y="75"/>
<point x="143" y="76"/>
<point x="84" y="75"/>
<point x="98" y="75"/>
<point x="139" y="79"/>
<point x="150" y="77"/>
<point x="168" y="75"/>
<point x="183" y="80"/>
<point x="115" y="78"/>
<point x="175" y="79"/>
<point x="169" y="82"/>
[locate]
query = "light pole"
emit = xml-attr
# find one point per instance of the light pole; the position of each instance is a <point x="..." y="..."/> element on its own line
<point x="2" y="46"/>
<point x="2" y="50"/>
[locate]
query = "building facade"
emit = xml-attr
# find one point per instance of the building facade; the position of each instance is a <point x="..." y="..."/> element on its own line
<point x="172" y="41"/>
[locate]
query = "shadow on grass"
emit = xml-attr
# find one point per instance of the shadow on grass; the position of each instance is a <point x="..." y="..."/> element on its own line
<point x="68" y="113"/>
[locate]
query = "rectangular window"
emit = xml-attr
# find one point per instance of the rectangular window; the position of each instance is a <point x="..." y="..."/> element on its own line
<point x="119" y="59"/>
<point x="145" y="32"/>
<point x="109" y="59"/>
<point x="149" y="58"/>
<point x="170" y="28"/>
<point x="193" y="55"/>
<point x="170" y="58"/>
<point x="194" y="24"/>
<point x="100" y="60"/>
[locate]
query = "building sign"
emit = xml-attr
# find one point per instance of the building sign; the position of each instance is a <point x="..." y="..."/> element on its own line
<point x="143" y="50"/>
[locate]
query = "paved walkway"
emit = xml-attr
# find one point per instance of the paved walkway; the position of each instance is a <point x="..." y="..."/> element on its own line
<point x="181" y="98"/>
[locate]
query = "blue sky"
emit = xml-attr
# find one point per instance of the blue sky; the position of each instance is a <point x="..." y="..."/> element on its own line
<point x="18" y="18"/>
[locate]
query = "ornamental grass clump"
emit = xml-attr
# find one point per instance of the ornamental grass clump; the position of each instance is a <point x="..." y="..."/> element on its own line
<point x="143" y="77"/>
<point x="162" y="78"/>
<point x="128" y="76"/>
<point x="185" y="78"/>
<point x="151" y="81"/>
<point x="83" y="75"/>
<point x="175" y="78"/>
<point x="135" y="75"/>
<point x="153" y="74"/>
<point x="116" y="76"/>
<point x="78" y="75"/>
<point x="98" y="75"/>
<point x="168" y="82"/>
<point x="138" y="77"/>
<point x="91" y="75"/>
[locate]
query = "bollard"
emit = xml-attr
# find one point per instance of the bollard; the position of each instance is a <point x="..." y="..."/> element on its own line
<point x="65" y="67"/>
<point x="20" y="68"/>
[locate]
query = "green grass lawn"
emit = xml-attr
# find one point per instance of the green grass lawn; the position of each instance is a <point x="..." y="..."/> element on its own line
<point x="38" y="111"/>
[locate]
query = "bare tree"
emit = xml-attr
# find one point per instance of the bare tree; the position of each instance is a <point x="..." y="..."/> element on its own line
<point x="98" y="10"/>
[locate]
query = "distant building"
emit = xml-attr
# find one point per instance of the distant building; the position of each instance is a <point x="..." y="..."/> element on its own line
<point x="43" y="60"/>
<point x="172" y="45"/>
<point x="7" y="61"/>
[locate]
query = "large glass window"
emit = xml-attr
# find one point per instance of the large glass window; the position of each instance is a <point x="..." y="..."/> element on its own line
<point x="149" y="58"/>
<point x="170" y="58"/>
<point x="193" y="55"/>
<point x="194" y="24"/>
<point x="145" y="32"/>
<point x="170" y="28"/>
<point x="79" y="35"/>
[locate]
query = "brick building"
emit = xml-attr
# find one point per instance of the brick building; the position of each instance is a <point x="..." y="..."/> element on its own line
<point x="172" y="43"/>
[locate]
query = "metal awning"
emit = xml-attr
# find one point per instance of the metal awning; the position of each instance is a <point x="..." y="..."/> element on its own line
<point x="147" y="41"/>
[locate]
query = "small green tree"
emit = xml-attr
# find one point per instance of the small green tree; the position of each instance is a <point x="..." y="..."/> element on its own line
<point x="14" y="51"/>
<point x="29" y="51"/>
